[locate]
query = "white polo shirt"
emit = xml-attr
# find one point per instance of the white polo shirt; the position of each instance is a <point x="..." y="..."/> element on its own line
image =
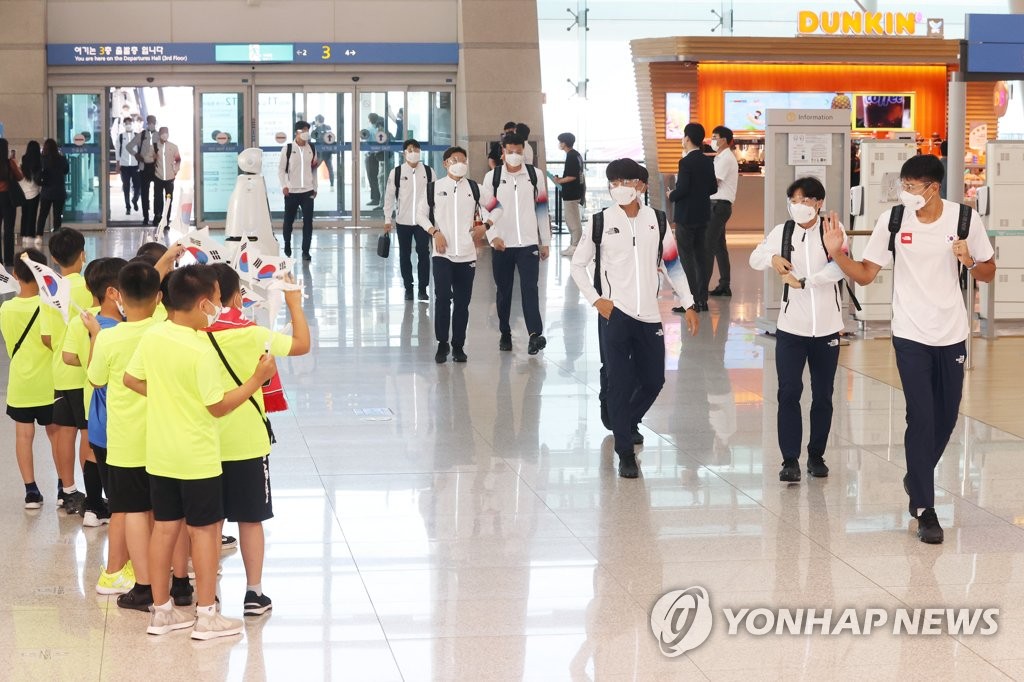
<point x="927" y="303"/>
<point x="727" y="172"/>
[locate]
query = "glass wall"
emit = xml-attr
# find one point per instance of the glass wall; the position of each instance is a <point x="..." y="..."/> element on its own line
<point x="331" y="132"/>
<point x="79" y="139"/>
<point x="382" y="129"/>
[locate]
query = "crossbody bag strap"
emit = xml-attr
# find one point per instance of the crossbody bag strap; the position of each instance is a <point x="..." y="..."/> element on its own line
<point x="24" y="334"/>
<point x="224" y="360"/>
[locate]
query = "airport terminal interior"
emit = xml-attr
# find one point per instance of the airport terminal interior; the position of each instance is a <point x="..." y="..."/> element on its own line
<point x="467" y="521"/>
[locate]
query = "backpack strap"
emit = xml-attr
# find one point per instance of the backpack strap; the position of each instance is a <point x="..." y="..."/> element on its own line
<point x="787" y="251"/>
<point x="597" y="230"/>
<point x="430" y="173"/>
<point x="398" y="179"/>
<point x="963" y="230"/>
<point x="430" y="200"/>
<point x="895" y="223"/>
<point x="532" y="172"/>
<point x="662" y="231"/>
<point x="224" y="360"/>
<point x="496" y="178"/>
<point x="288" y="160"/>
<point x="24" y="334"/>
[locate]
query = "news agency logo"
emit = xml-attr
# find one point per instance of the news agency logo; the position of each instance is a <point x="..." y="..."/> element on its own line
<point x="682" y="620"/>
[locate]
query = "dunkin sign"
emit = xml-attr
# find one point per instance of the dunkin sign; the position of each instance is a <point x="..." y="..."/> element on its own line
<point x="912" y="24"/>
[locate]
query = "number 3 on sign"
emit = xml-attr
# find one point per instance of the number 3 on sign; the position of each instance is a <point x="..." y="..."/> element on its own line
<point x="326" y="52"/>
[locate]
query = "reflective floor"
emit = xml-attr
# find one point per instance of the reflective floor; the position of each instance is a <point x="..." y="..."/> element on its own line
<point x="465" y="522"/>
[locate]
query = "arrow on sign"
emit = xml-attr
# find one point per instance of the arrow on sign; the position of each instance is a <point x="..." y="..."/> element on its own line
<point x="350" y="53"/>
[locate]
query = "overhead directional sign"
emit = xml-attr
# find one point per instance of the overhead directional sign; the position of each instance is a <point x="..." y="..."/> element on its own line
<point x="994" y="48"/>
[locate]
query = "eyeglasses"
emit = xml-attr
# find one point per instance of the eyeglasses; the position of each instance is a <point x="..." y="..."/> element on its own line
<point x="806" y="201"/>
<point x="625" y="183"/>
<point x="908" y="187"/>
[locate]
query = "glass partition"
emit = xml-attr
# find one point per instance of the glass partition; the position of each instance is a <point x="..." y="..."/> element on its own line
<point x="78" y="136"/>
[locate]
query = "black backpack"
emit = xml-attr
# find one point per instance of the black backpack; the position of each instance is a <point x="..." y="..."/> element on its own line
<point x="787" y="253"/>
<point x="597" y="230"/>
<point x="963" y="229"/>
<point x="530" y="170"/>
<point x="398" y="178"/>
<point x="475" y="188"/>
<point x="288" y="156"/>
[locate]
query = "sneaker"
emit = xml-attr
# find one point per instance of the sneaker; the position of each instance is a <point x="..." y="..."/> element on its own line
<point x="537" y="344"/>
<point x="505" y="343"/>
<point x="129" y="569"/>
<point x="306" y="257"/>
<point x="790" y="471"/>
<point x="928" y="528"/>
<point x="161" y="622"/>
<point x="441" y="356"/>
<point x="628" y="467"/>
<point x="181" y="592"/>
<point x="211" y="627"/>
<point x="287" y="251"/>
<point x="423" y="295"/>
<point x="114" y="583"/>
<point x="73" y="503"/>
<point x="136" y="599"/>
<point x="228" y="542"/>
<point x="95" y="519"/>
<point x="720" y="291"/>
<point x="458" y="354"/>
<point x="33" y="500"/>
<point x="256" y="604"/>
<point x="408" y="295"/>
<point x="816" y="467"/>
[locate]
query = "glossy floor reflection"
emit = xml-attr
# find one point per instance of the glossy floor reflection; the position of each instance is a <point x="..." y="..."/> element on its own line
<point x="464" y="522"/>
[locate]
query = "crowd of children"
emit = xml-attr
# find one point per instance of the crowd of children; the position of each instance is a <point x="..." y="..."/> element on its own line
<point x="159" y="375"/>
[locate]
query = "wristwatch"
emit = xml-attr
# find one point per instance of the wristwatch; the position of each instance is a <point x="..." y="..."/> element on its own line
<point x="803" y="282"/>
<point x="974" y="264"/>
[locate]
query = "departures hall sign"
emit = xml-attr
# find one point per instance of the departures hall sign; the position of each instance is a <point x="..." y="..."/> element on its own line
<point x="897" y="24"/>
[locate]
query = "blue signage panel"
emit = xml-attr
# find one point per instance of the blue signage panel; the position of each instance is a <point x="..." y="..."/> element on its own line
<point x="996" y="58"/>
<point x="134" y="54"/>
<point x="994" y="28"/>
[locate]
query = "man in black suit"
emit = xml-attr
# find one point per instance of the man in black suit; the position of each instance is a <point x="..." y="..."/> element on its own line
<point x="695" y="184"/>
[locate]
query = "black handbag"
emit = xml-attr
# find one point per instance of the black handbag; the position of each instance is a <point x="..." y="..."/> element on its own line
<point x="17" y="194"/>
<point x="384" y="245"/>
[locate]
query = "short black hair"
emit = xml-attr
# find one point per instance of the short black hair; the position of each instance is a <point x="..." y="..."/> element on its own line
<point x="568" y="139"/>
<point x="24" y="272"/>
<point x="301" y="125"/>
<point x="510" y="125"/>
<point x="925" y="167"/>
<point x="230" y="282"/>
<point x="944" y="148"/>
<point x="626" y="169"/>
<point x="410" y="143"/>
<point x="102" y="273"/>
<point x="523" y="131"/>
<point x="494" y="152"/>
<point x="723" y="133"/>
<point x="138" y="282"/>
<point x="189" y="284"/>
<point x="810" y="187"/>
<point x="127" y="119"/>
<point x="66" y="245"/>
<point x="154" y="250"/>
<point x="452" y="151"/>
<point x="694" y="132"/>
<point x="512" y="138"/>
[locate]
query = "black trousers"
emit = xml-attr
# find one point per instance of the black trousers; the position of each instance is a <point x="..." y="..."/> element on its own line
<point x="328" y="159"/>
<point x="292" y="203"/>
<point x="696" y="258"/>
<point x="29" y="216"/>
<point x="406" y="235"/>
<point x="162" y="189"/>
<point x="453" y="284"/>
<point x="373" y="160"/>
<point x="933" y="383"/>
<point x="634" y="360"/>
<point x="525" y="259"/>
<point x="147" y="175"/>
<point x="46" y="206"/>
<point x="721" y="211"/>
<point x="130" y="186"/>
<point x="8" y="212"/>
<point x="821" y="355"/>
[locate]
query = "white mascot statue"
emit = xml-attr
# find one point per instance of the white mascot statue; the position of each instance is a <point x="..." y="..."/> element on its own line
<point x="248" y="209"/>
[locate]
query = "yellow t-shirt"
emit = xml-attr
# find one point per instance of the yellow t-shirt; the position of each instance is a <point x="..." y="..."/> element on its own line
<point x="65" y="376"/>
<point x="30" y="379"/>
<point x="160" y="313"/>
<point x="126" y="409"/>
<point x="77" y="342"/>
<point x="242" y="433"/>
<point x="182" y="373"/>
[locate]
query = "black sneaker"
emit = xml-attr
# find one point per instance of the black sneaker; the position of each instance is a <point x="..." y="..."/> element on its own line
<point x="74" y="503"/>
<point x="441" y="356"/>
<point x="458" y="354"/>
<point x="181" y="591"/>
<point x="137" y="599"/>
<point x="33" y="500"/>
<point x="228" y="542"/>
<point x="505" y="343"/>
<point x="408" y="295"/>
<point x="816" y="467"/>
<point x="606" y="419"/>
<point x="628" y="467"/>
<point x="720" y="291"/>
<point x="306" y="257"/>
<point x="681" y="309"/>
<point x="537" y="344"/>
<point x="287" y="252"/>
<point x="424" y="296"/>
<point x="928" y="528"/>
<point x="790" y="471"/>
<point x="638" y="438"/>
<point x="256" y="604"/>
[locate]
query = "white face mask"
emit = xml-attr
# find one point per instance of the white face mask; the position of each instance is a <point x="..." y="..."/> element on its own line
<point x="304" y="135"/>
<point x="412" y="157"/>
<point x="802" y="213"/>
<point x="915" y="202"/>
<point x="120" y="309"/>
<point x="458" y="169"/>
<point x="716" y="144"/>
<point x="623" y="195"/>
<point x="128" y="127"/>
<point x="212" y="317"/>
<point x="514" y="160"/>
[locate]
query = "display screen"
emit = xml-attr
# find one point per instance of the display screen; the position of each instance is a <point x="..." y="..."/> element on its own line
<point x="883" y="112"/>
<point x="745" y="111"/>
<point x="255" y="52"/>
<point x="677" y="114"/>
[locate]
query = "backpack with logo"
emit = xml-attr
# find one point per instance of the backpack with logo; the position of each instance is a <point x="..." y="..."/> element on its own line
<point x="288" y="156"/>
<point x="787" y="253"/>
<point x="597" y="230"/>
<point x="398" y="177"/>
<point x="530" y="170"/>
<point x="963" y="229"/>
<point x="475" y="188"/>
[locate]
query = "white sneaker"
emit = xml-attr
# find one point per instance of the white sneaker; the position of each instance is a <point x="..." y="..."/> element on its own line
<point x="161" y="622"/>
<point x="211" y="627"/>
<point x="92" y="520"/>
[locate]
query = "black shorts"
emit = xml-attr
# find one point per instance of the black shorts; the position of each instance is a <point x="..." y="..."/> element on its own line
<point x="128" y="490"/>
<point x="199" y="501"/>
<point x="69" y="408"/>
<point x="42" y="415"/>
<point x="100" y="453"/>
<point x="247" y="497"/>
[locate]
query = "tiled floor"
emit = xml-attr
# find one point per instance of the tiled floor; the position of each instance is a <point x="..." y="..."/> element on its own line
<point x="466" y="523"/>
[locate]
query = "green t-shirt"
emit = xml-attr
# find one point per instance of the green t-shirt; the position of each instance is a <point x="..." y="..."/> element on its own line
<point x="182" y="374"/>
<point x="30" y="378"/>
<point x="65" y="376"/>
<point x="77" y="343"/>
<point x="126" y="409"/>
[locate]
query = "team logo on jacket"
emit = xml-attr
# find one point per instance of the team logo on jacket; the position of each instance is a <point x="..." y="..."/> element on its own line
<point x="833" y="343"/>
<point x="950" y="238"/>
<point x="612" y="230"/>
<point x="906" y="237"/>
